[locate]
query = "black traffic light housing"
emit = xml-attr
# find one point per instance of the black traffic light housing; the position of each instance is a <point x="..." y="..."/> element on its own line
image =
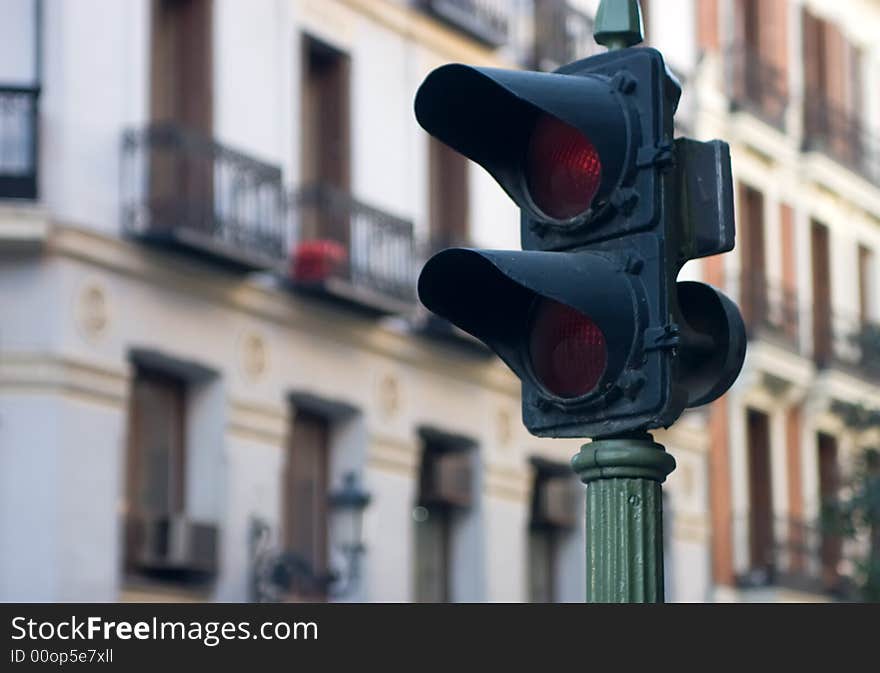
<point x="628" y="207"/>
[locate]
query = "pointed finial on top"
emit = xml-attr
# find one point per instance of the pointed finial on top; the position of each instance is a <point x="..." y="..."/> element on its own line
<point x="618" y="24"/>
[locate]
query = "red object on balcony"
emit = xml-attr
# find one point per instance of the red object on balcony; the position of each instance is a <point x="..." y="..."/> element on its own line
<point x="315" y="261"/>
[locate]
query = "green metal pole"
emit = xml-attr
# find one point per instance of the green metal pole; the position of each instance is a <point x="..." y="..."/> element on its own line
<point x="624" y="518"/>
<point x="623" y="475"/>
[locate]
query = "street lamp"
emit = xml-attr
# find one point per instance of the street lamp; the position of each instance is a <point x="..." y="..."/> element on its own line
<point x="347" y="507"/>
<point x="277" y="573"/>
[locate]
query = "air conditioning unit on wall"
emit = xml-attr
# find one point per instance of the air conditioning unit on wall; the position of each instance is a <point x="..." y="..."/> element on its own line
<point x="172" y="546"/>
<point x="557" y="502"/>
<point x="449" y="479"/>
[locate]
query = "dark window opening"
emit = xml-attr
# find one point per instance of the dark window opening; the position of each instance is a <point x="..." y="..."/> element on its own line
<point x="181" y="163"/>
<point x="305" y="488"/>
<point x="754" y="280"/>
<point x="829" y="484"/>
<point x="449" y="195"/>
<point x="445" y="491"/>
<point x="157" y="446"/>
<point x="325" y="108"/>
<point x="822" y="314"/>
<point x="761" y="538"/>
<point x="554" y="514"/>
<point x="866" y="275"/>
<point x="181" y="68"/>
<point x="162" y="543"/>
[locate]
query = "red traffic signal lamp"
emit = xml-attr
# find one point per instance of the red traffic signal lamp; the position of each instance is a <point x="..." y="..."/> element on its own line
<point x="589" y="314"/>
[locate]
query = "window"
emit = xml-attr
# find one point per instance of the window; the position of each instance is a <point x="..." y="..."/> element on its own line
<point x="866" y="277"/>
<point x="445" y="492"/>
<point x="822" y="329"/>
<point x="172" y="433"/>
<point x="305" y="496"/>
<point x="181" y="103"/>
<point x="833" y="84"/>
<point x="449" y="195"/>
<point x="761" y="557"/>
<point x="829" y="483"/>
<point x="181" y="68"/>
<point x="554" y="514"/>
<point x="754" y="283"/>
<point x="157" y="448"/>
<point x="19" y="97"/>
<point x="325" y="115"/>
<point x="707" y="24"/>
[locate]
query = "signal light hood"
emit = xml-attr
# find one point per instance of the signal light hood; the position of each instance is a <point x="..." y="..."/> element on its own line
<point x="707" y="371"/>
<point x="491" y="294"/>
<point x="488" y="114"/>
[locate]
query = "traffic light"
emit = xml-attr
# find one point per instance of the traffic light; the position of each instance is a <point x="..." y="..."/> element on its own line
<point x="589" y="314"/>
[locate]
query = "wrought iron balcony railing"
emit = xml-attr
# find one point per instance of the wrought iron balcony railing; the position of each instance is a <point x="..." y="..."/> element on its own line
<point x="351" y="251"/>
<point x="756" y="84"/>
<point x="850" y="344"/>
<point x="18" y="142"/>
<point x="842" y="135"/>
<point x="184" y="190"/>
<point x="563" y="34"/>
<point x="789" y="553"/>
<point x="769" y="311"/>
<point x="486" y="20"/>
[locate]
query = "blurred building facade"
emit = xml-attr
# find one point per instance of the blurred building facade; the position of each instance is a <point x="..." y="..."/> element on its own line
<point x="212" y="214"/>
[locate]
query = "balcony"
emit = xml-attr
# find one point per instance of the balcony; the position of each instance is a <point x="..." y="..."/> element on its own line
<point x="485" y="20"/>
<point x="790" y="554"/>
<point x="770" y="312"/>
<point x="562" y="34"/>
<point x="756" y="85"/>
<point x="849" y="344"/>
<point x="841" y="135"/>
<point x="350" y="252"/>
<point x="18" y="142"/>
<point x="184" y="191"/>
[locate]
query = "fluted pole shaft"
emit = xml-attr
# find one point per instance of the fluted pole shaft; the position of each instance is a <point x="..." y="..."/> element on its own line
<point x="624" y="518"/>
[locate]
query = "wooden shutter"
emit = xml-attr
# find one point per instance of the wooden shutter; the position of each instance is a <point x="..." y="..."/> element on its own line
<point x="790" y="313"/>
<point x="754" y="294"/>
<point x="181" y="84"/>
<point x="822" y="328"/>
<point x="325" y="141"/>
<point x="866" y="268"/>
<point x="796" y="530"/>
<point x="813" y="53"/>
<point x="747" y="24"/>
<point x="829" y="483"/>
<point x="760" y="491"/>
<point x="814" y="76"/>
<point x="326" y="115"/>
<point x="449" y="194"/>
<point x="772" y="43"/>
<point x="181" y="63"/>
<point x="305" y="490"/>
<point x="707" y="24"/>
<point x="156" y="479"/>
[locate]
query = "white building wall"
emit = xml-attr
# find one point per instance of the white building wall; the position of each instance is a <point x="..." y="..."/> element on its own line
<point x="94" y="87"/>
